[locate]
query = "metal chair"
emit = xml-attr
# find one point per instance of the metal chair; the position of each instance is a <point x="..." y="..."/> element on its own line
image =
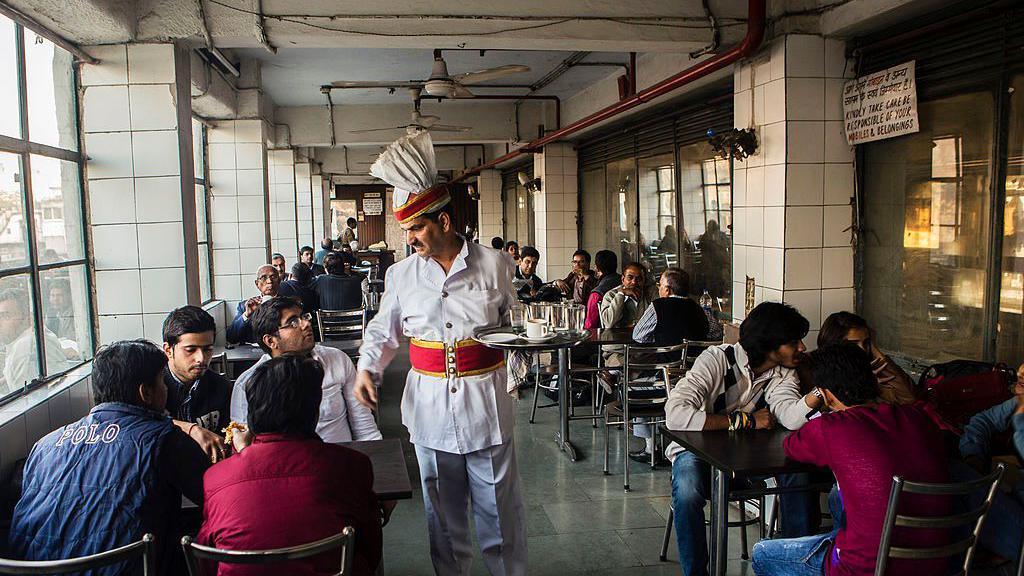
<point x="142" y="549"/>
<point x="652" y="408"/>
<point x="219" y="363"/>
<point x="343" y="542"/>
<point x="965" y="546"/>
<point x="342" y="327"/>
<point x="742" y="524"/>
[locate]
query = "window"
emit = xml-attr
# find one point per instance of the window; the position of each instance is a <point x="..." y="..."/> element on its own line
<point x="657" y="194"/>
<point x="518" y="208"/>
<point x="202" y="209"/>
<point x="45" y="297"/>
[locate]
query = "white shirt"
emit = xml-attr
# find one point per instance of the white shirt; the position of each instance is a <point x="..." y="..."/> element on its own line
<point x="342" y="417"/>
<point x="694" y="396"/>
<point x="457" y="415"/>
<point x="20" y="361"/>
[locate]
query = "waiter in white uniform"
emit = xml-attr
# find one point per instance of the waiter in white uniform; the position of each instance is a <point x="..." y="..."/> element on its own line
<point x="456" y="406"/>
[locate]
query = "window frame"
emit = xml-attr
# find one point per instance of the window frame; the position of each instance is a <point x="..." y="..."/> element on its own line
<point x="24" y="148"/>
<point x="204" y="181"/>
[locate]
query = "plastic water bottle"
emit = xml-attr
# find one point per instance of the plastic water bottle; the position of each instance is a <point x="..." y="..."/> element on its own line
<point x="706" y="302"/>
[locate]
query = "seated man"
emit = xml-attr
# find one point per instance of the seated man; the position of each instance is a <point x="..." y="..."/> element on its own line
<point x="19" y="338"/>
<point x="278" y="262"/>
<point x="580" y="281"/>
<point x="740" y="386"/>
<point x="338" y="289"/>
<point x="607" y="264"/>
<point x="268" y="280"/>
<point x="526" y="281"/>
<point x="1003" y="530"/>
<point x="298" y="287"/>
<point x="286" y="486"/>
<point x="282" y="329"/>
<point x="307" y="257"/>
<point x="865" y="443"/>
<point x="116" y="474"/>
<point x="197" y="397"/>
<point x="621" y="307"/>
<point x="326" y="247"/>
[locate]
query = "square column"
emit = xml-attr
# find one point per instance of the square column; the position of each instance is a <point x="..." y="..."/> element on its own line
<point x="489" y="207"/>
<point x="137" y="127"/>
<point x="283" y="207"/>
<point x="555" y="228"/>
<point x="793" y="199"/>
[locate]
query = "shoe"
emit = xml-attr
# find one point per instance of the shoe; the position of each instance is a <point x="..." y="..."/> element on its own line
<point x="607" y="381"/>
<point x="642" y="456"/>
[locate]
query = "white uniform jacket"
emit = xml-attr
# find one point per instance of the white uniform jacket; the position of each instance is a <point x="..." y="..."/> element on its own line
<point x="458" y="415"/>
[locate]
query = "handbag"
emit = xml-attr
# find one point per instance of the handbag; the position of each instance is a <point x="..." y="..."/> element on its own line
<point x="961" y="388"/>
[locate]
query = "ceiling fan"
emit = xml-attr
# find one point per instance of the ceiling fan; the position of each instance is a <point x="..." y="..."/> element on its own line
<point x="418" y="121"/>
<point x="441" y="84"/>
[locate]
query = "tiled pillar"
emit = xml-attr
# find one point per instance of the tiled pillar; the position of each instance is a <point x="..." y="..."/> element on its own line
<point x="283" y="230"/>
<point x="489" y="207"/>
<point x="555" y="210"/>
<point x="140" y="184"/>
<point x="320" y="202"/>
<point x="792" y="200"/>
<point x="304" y="206"/>
<point x="238" y="207"/>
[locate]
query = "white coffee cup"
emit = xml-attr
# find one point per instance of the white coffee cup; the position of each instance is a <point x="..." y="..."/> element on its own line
<point x="536" y="328"/>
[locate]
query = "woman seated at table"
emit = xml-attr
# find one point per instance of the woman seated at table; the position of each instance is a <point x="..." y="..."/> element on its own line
<point x="288" y="487"/>
<point x="894" y="385"/>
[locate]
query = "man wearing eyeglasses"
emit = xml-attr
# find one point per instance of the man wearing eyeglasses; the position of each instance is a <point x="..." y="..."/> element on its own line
<point x="578" y="284"/>
<point x="268" y="280"/>
<point x="281" y="328"/>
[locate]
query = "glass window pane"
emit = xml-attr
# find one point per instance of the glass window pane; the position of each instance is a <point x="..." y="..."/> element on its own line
<point x="56" y="196"/>
<point x="13" y="232"/>
<point x="658" y="244"/>
<point x="198" y="137"/>
<point x="620" y="181"/>
<point x="706" y="197"/>
<point x="65" y="298"/>
<point x="1010" y="337"/>
<point x="17" y="334"/>
<point x="10" y="117"/>
<point x="205" y="290"/>
<point x="201" y="223"/>
<point x="926" y="257"/>
<point x="595" y="213"/>
<point x="50" y="93"/>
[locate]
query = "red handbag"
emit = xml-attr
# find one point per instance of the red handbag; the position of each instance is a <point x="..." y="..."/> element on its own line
<point x="962" y="388"/>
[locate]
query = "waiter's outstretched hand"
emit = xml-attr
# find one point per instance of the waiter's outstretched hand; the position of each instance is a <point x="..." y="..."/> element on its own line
<point x="366" y="391"/>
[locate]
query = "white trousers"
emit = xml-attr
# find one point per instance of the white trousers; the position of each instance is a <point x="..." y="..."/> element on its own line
<point x="489" y="480"/>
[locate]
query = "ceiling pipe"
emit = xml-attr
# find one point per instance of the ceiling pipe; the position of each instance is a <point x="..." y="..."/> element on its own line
<point x="750" y="43"/>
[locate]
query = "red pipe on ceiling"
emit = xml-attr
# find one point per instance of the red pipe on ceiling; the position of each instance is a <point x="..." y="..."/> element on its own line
<point x="750" y="43"/>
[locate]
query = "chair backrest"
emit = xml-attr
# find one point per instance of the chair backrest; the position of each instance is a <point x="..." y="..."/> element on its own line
<point x="142" y="549"/>
<point x="340" y="324"/>
<point x="974" y="516"/>
<point x="194" y="553"/>
<point x="219" y="363"/>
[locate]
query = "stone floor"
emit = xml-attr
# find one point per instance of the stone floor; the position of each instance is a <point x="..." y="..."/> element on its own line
<point x="579" y="520"/>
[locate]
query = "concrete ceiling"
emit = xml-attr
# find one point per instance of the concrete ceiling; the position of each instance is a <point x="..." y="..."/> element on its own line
<point x="293" y="76"/>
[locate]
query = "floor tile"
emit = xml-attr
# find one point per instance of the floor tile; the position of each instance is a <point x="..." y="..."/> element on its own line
<point x="602" y="515"/>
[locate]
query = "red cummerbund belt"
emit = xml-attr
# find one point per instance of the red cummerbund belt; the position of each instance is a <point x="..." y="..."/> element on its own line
<point x="464" y="358"/>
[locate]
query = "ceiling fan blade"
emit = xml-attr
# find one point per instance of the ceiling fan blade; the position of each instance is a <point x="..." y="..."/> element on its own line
<point x="429" y="118"/>
<point x="369" y="130"/>
<point x="489" y="74"/>
<point x="460" y="91"/>
<point x="374" y="84"/>
<point x="447" y="128"/>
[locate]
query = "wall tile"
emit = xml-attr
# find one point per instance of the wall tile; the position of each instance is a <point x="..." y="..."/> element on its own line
<point x="765" y="294"/>
<point x="806" y="142"/>
<point x="152" y="326"/>
<point x="805" y="225"/>
<point x="161" y="245"/>
<point x="804" y="184"/>
<point x="762" y="73"/>
<point x="836" y="148"/>
<point x="118" y="292"/>
<point x="778" y="56"/>
<point x="249" y="131"/>
<point x="837" y="221"/>
<point x="838" y="183"/>
<point x="250" y="182"/>
<point x="252" y="235"/>
<point x="835" y="60"/>
<point x="774" y="268"/>
<point x="109" y="155"/>
<point x="158" y="199"/>
<point x="739" y="185"/>
<point x="163" y="289"/>
<point x="805" y="56"/>
<point x="112" y="69"/>
<point x="221" y="156"/>
<point x="155" y="153"/>
<point x="755" y="226"/>
<point x="120" y="327"/>
<point x="250" y="157"/>
<point x="105" y="109"/>
<point x="803" y="268"/>
<point x="805" y="99"/>
<point x="224" y="235"/>
<point x="739" y="262"/>
<point x="115" y="247"/>
<point x="834" y="98"/>
<point x="775" y="143"/>
<point x="808" y="302"/>
<point x="150" y="64"/>
<point x="739" y="225"/>
<point x="742" y="111"/>
<point x="738" y="300"/>
<point x="774" y="227"/>
<point x="775" y="98"/>
<point x="741" y="77"/>
<point x="755" y="186"/>
<point x="221" y="132"/>
<point x="250" y="209"/>
<point x="754" y="263"/>
<point x="249" y="260"/>
<point x="836" y="300"/>
<point x="152" y="107"/>
<point x="837" y="268"/>
<point x="228" y="287"/>
<point x="759" y="104"/>
<point x="112" y="201"/>
<point x="224" y="209"/>
<point x="775" y="185"/>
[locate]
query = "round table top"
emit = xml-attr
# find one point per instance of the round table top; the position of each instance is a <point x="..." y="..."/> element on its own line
<point x="560" y="340"/>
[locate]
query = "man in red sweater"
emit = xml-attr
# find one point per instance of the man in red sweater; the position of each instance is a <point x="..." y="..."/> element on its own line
<point x="289" y="487"/>
<point x="865" y="444"/>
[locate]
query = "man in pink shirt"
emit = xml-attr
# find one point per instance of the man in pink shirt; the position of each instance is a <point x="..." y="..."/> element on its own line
<point x="865" y="443"/>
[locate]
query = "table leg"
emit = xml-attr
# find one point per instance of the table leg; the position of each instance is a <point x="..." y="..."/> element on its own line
<point x="563" y="404"/>
<point x="719" y="522"/>
<point x="624" y="380"/>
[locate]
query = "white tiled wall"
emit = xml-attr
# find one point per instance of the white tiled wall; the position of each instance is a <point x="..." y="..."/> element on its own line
<point x="792" y="203"/>
<point x="489" y="207"/>
<point x="556" y="232"/>
<point x="283" y="228"/>
<point x="304" y="205"/>
<point x="134" y="182"/>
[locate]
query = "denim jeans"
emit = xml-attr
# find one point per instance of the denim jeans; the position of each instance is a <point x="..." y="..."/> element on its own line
<point x="691" y="489"/>
<point x="800" y="556"/>
<point x="1003" y="529"/>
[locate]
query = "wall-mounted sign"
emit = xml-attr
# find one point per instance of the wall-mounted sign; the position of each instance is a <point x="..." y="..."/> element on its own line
<point x="371" y="194"/>
<point x="881" y="105"/>
<point x="748" y="296"/>
<point x="373" y="206"/>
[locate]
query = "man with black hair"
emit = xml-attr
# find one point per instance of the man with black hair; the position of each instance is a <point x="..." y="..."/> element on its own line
<point x="282" y="329"/>
<point x="526" y="278"/>
<point x="743" y="386"/>
<point x="278" y="261"/>
<point x="287" y="486"/>
<point x="18" y="338"/>
<point x="105" y="480"/>
<point x="865" y="443"/>
<point x="580" y="281"/>
<point x="348" y="235"/>
<point x="338" y="289"/>
<point x="307" y="257"/>
<point x="298" y="287"/>
<point x="268" y="281"/>
<point x="197" y="397"/>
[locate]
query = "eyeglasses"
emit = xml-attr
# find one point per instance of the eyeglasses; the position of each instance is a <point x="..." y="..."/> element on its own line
<point x="296" y="321"/>
<point x="267" y="277"/>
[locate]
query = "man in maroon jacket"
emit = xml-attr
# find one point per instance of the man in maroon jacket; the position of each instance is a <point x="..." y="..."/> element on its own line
<point x="289" y="487"/>
<point x="865" y="443"/>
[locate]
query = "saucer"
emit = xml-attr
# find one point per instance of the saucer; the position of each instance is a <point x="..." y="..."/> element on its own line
<point x="499" y="338"/>
<point x="540" y="339"/>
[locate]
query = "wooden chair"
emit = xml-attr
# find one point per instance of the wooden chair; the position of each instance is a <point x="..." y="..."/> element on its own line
<point x="195" y="553"/>
<point x="142" y="549"/>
